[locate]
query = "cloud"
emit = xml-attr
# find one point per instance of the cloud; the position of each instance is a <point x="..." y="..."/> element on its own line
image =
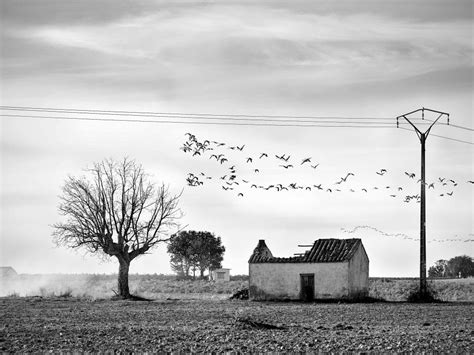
<point x="229" y="42"/>
<point x="232" y="55"/>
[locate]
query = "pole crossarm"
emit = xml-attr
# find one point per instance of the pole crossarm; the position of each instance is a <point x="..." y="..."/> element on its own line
<point x="417" y="130"/>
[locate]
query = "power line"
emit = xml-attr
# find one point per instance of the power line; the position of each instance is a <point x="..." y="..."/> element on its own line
<point x="436" y="135"/>
<point x="226" y="120"/>
<point x="168" y="114"/>
<point x="197" y="123"/>
<point x="461" y="127"/>
<point x="230" y="118"/>
<point x="220" y="123"/>
<point x="453" y="125"/>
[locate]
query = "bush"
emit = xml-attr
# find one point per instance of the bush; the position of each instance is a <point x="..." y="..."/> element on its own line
<point x="415" y="296"/>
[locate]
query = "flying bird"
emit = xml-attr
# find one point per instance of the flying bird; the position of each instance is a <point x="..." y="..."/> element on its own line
<point x="191" y="137"/>
<point x="249" y="160"/>
<point x="287" y="166"/>
<point x="240" y="194"/>
<point x="315" y="166"/>
<point x="381" y="172"/>
<point x="470" y="182"/>
<point x="410" y="175"/>
<point x="449" y="193"/>
<point x="263" y="155"/>
<point x="431" y="185"/>
<point x="240" y="148"/>
<point x="257" y="171"/>
<point x="218" y="157"/>
<point x="348" y="174"/>
<point x="186" y="147"/>
<point x="307" y="160"/>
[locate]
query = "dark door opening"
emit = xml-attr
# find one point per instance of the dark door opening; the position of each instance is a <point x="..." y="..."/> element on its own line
<point x="307" y="287"/>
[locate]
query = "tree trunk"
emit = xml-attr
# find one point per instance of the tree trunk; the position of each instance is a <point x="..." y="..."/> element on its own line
<point x="124" y="267"/>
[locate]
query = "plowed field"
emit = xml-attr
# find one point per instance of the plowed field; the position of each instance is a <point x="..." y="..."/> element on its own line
<point x="70" y="324"/>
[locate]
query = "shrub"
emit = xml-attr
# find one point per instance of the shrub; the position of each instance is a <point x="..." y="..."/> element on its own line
<point x="415" y="296"/>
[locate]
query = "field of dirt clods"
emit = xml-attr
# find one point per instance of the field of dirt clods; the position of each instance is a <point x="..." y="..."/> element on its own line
<point x="37" y="324"/>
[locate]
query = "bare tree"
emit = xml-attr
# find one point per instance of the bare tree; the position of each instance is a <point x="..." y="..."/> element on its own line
<point x="116" y="212"/>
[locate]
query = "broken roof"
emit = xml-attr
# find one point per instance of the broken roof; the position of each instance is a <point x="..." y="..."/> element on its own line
<point x="322" y="251"/>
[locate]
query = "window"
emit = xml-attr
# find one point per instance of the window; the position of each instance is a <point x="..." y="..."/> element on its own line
<point x="221" y="275"/>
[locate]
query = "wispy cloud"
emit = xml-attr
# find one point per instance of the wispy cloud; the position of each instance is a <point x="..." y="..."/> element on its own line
<point x="336" y="48"/>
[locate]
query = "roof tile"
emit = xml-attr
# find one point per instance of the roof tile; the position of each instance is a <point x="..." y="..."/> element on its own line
<point x="322" y="251"/>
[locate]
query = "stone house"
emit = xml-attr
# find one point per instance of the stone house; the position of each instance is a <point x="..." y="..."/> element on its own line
<point x="220" y="275"/>
<point x="331" y="269"/>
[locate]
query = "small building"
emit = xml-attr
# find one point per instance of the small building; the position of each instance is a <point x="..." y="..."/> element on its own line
<point x="220" y="275"/>
<point x="331" y="269"/>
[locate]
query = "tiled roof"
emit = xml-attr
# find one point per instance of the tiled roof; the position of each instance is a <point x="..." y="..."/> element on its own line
<point x="322" y="251"/>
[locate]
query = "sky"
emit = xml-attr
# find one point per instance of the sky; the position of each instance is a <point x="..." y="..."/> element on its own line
<point x="275" y="58"/>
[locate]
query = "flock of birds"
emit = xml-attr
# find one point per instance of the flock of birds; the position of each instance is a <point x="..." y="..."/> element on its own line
<point x="231" y="180"/>
<point x="404" y="236"/>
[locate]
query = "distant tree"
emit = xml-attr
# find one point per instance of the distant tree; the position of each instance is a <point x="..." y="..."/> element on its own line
<point x="116" y="212"/>
<point x="440" y="269"/>
<point x="451" y="268"/>
<point x="181" y="258"/>
<point x="195" y="251"/>
<point x="461" y="265"/>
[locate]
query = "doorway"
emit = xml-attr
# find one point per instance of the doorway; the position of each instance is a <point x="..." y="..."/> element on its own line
<point x="307" y="287"/>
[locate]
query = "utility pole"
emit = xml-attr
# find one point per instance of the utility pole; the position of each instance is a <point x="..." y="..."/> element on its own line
<point x="422" y="137"/>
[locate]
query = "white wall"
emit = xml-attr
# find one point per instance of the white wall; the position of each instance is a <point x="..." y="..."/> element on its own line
<point x="282" y="280"/>
<point x="359" y="273"/>
<point x="226" y="273"/>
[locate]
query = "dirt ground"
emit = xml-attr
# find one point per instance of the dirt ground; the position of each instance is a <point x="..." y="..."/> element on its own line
<point x="70" y="324"/>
